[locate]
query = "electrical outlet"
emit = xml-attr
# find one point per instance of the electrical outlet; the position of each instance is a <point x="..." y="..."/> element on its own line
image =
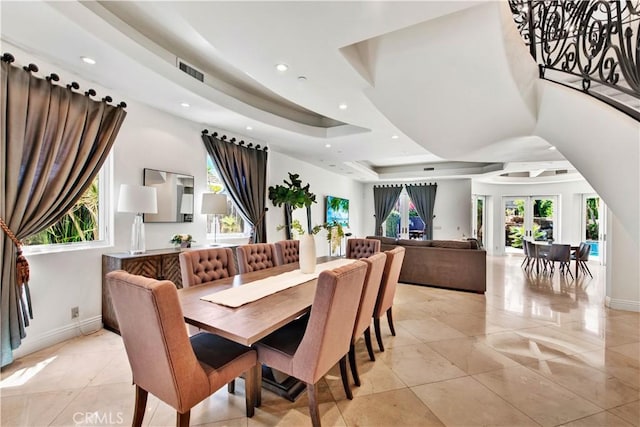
<point x="75" y="312"/>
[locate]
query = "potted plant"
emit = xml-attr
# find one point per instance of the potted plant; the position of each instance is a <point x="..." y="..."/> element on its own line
<point x="291" y="196"/>
<point x="184" y="240"/>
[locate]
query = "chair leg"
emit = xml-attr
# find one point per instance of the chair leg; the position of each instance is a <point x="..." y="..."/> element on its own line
<point x="250" y="389"/>
<point x="376" y="326"/>
<point x="390" y="320"/>
<point x="314" y="411"/>
<point x="367" y="341"/>
<point x="354" y="365"/>
<point x="586" y="267"/>
<point x="182" y="420"/>
<point x="231" y="387"/>
<point x="141" y="405"/>
<point x="343" y="374"/>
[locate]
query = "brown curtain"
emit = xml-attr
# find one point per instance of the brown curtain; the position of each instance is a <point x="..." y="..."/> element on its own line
<point x="424" y="199"/>
<point x="243" y="171"/>
<point x="384" y="199"/>
<point x="54" y="142"/>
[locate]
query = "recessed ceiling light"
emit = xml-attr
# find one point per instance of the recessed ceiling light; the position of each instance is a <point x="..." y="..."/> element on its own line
<point x="552" y="148"/>
<point x="282" y="67"/>
<point x="328" y="145"/>
<point x="302" y="79"/>
<point x="395" y="137"/>
<point x="249" y="128"/>
<point x="88" y="60"/>
<point x="343" y="106"/>
<point x="185" y="105"/>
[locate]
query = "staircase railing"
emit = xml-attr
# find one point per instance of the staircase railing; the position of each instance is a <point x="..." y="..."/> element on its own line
<point x="589" y="45"/>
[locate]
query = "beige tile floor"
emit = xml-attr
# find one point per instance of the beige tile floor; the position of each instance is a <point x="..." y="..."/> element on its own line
<point x="532" y="351"/>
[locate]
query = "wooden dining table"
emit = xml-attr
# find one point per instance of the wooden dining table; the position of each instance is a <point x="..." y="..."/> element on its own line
<point x="255" y="320"/>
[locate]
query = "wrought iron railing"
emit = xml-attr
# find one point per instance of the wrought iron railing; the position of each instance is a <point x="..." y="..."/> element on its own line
<point x="590" y="45"/>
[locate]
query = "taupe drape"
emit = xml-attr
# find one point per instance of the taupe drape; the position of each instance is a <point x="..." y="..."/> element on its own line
<point x="384" y="199"/>
<point x="54" y="142"/>
<point x="243" y="171"/>
<point x="424" y="199"/>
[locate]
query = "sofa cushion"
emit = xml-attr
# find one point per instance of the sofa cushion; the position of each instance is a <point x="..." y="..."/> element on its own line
<point x="412" y="242"/>
<point x="385" y="240"/>
<point x="452" y="244"/>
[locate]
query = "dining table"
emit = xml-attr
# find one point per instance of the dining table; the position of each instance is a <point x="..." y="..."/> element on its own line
<point x="254" y="320"/>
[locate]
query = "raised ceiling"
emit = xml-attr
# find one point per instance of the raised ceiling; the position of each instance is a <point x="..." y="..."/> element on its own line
<point x="451" y="80"/>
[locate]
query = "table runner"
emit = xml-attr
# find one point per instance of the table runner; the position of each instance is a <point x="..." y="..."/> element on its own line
<point x="235" y="297"/>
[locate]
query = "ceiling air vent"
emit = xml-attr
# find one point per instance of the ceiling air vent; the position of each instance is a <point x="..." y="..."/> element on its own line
<point x="190" y="70"/>
<point x="429" y="169"/>
<point x="561" y="171"/>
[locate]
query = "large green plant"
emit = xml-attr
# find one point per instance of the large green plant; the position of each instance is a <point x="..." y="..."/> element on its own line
<point x="293" y="195"/>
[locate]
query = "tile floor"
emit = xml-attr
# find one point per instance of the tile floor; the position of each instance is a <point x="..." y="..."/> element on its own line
<point x="531" y="351"/>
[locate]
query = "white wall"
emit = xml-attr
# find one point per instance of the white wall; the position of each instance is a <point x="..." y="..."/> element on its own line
<point x="150" y="138"/>
<point x="452" y="209"/>
<point x="569" y="209"/>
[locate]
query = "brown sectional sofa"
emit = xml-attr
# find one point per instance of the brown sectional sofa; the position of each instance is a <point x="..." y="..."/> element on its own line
<point x="452" y="264"/>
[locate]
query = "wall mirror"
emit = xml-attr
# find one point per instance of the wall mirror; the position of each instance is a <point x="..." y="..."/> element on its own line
<point x="175" y="196"/>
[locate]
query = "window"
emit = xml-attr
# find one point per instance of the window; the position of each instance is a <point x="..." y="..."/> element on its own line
<point x="85" y="225"/>
<point x="231" y="224"/>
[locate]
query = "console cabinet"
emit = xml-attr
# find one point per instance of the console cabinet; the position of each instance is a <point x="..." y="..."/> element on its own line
<point x="161" y="264"/>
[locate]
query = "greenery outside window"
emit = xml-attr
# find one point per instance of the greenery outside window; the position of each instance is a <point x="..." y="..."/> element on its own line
<point x="84" y="226"/>
<point x="231" y="224"/>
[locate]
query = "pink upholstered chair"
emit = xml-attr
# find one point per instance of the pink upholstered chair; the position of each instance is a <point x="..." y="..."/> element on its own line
<point x="165" y="362"/>
<point x="362" y="248"/>
<point x="375" y="268"/>
<point x="388" y="291"/>
<point x="287" y="251"/>
<point x="206" y="265"/>
<point x="256" y="256"/>
<point x="308" y="350"/>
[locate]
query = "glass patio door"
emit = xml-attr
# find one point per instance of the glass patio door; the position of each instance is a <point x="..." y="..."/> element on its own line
<point x="403" y="222"/>
<point x="479" y="216"/>
<point x="529" y="218"/>
<point x="593" y="225"/>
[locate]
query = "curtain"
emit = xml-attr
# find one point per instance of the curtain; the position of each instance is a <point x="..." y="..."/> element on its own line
<point x="384" y="199"/>
<point x="424" y="198"/>
<point x="54" y="142"/>
<point x="243" y="171"/>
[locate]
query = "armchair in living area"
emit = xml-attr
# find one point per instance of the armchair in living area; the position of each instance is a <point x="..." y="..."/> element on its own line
<point x="179" y="370"/>
<point x="362" y="248"/>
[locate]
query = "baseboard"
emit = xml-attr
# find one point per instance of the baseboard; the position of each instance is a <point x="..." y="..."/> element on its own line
<point x="622" y="304"/>
<point x="32" y="344"/>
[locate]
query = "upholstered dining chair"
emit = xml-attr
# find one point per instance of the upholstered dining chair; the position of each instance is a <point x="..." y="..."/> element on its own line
<point x="177" y="369"/>
<point x="256" y="256"/>
<point x="373" y="278"/>
<point x="581" y="256"/>
<point x="287" y="251"/>
<point x="362" y="248"/>
<point x="206" y="265"/>
<point x="561" y="254"/>
<point x="308" y="349"/>
<point x="387" y="291"/>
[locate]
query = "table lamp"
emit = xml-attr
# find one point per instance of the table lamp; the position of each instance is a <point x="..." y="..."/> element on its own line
<point x="137" y="199"/>
<point x="214" y="204"/>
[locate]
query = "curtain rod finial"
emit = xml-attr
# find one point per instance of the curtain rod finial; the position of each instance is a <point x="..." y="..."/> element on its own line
<point x="7" y="57"/>
<point x="31" y="68"/>
<point x="107" y="99"/>
<point x="215" y="134"/>
<point x="53" y="77"/>
<point x="205" y="132"/>
<point x="90" y="92"/>
<point x="73" y="85"/>
<point x="122" y="104"/>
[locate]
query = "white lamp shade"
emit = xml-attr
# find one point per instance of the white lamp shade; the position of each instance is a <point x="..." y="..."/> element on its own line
<point x="214" y="203"/>
<point x="186" y="206"/>
<point x="137" y="199"/>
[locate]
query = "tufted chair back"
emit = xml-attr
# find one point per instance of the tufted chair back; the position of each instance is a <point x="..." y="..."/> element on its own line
<point x="287" y="251"/>
<point x="256" y="256"/>
<point x="362" y="248"/>
<point x="206" y="265"/>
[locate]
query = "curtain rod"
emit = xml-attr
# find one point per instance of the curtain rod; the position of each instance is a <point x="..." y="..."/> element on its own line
<point x="53" y="77"/>
<point x="233" y="140"/>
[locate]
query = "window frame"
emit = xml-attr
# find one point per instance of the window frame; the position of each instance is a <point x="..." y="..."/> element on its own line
<point x="105" y="219"/>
